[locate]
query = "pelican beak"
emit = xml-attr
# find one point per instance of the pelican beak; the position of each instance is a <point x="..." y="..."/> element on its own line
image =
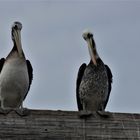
<point x="91" y="51"/>
<point x="17" y="36"/>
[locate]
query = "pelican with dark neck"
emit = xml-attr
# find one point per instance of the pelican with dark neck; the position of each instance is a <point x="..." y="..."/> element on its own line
<point x="94" y="80"/>
<point x="16" y="75"/>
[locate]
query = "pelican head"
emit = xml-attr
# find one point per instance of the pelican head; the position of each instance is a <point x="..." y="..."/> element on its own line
<point x="16" y="28"/>
<point x="88" y="37"/>
<point x="17" y="25"/>
<point x="16" y="36"/>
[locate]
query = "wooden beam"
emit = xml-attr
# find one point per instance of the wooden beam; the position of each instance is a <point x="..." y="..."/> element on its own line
<point x="67" y="125"/>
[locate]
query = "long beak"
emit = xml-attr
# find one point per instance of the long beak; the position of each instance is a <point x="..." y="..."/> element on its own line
<point x="17" y="37"/>
<point x="91" y="48"/>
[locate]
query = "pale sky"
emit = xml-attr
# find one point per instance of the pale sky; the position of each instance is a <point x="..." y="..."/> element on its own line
<point x="52" y="41"/>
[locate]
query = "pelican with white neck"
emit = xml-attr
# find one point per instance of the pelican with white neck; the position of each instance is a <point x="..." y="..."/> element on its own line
<point x="15" y="75"/>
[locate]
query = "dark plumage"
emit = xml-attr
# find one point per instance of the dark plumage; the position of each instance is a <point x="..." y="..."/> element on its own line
<point x="94" y="80"/>
<point x="79" y="78"/>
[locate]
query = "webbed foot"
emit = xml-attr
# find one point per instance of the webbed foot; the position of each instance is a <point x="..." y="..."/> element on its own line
<point x="85" y="114"/>
<point x="22" y="111"/>
<point x="105" y="114"/>
<point x="5" y="111"/>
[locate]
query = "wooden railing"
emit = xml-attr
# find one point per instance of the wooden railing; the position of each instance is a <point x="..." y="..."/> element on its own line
<point x="67" y="125"/>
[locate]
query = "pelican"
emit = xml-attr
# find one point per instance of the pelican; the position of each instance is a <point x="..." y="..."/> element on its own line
<point x="94" y="81"/>
<point x="16" y="75"/>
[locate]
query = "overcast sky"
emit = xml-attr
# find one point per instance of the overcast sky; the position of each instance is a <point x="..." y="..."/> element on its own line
<point x="52" y="41"/>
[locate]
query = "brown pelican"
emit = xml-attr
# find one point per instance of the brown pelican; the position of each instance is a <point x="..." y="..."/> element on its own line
<point x="93" y="82"/>
<point x="15" y="75"/>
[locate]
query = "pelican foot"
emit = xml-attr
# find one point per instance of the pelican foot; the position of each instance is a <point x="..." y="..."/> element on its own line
<point x="22" y="111"/>
<point x="104" y="114"/>
<point x="85" y="114"/>
<point x="5" y="111"/>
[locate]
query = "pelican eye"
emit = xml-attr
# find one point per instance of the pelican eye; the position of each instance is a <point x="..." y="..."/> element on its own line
<point x="16" y="26"/>
<point x="89" y="35"/>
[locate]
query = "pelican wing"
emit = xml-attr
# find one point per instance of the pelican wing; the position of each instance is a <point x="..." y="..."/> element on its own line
<point x="79" y="78"/>
<point x="30" y="72"/>
<point x="109" y="75"/>
<point x="2" y="60"/>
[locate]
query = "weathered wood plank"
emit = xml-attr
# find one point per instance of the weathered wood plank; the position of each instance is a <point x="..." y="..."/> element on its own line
<point x="67" y="125"/>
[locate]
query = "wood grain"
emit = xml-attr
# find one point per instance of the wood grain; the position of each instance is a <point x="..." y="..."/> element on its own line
<point x="67" y="125"/>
